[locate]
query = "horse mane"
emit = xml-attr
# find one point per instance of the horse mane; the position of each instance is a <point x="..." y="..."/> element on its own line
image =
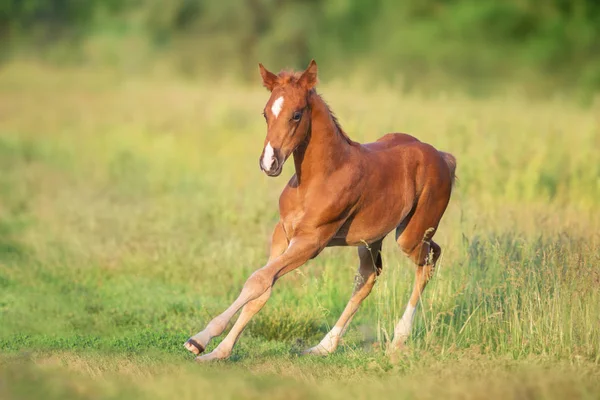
<point x="335" y="120"/>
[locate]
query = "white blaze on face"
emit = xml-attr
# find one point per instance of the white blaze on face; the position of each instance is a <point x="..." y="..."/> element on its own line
<point x="267" y="159"/>
<point x="276" y="107"/>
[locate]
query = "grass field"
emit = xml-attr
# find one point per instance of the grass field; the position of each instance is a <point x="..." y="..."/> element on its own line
<point x="132" y="211"/>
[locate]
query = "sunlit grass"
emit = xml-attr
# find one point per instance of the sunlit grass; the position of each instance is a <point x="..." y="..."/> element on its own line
<point x="131" y="211"/>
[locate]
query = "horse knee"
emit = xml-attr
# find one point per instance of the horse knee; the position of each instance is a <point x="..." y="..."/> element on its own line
<point x="259" y="282"/>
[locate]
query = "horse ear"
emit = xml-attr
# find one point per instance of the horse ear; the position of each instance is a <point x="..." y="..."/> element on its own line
<point x="309" y="76"/>
<point x="269" y="78"/>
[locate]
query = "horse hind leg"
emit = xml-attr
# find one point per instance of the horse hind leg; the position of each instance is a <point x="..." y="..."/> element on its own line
<point x="428" y="254"/>
<point x="415" y="239"/>
<point x="370" y="266"/>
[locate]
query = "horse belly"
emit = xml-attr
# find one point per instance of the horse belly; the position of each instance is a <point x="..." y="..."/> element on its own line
<point x="370" y="225"/>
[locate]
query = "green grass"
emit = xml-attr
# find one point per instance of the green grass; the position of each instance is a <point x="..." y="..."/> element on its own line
<point x="131" y="212"/>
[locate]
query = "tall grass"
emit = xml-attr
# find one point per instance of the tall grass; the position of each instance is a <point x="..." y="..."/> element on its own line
<point x="131" y="212"/>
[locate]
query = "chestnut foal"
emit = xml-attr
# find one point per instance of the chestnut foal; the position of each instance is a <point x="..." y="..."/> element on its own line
<point x="342" y="194"/>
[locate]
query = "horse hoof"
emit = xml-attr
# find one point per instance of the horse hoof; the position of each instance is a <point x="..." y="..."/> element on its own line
<point x="211" y="357"/>
<point x="193" y="346"/>
<point x="316" y="351"/>
<point x="396" y="349"/>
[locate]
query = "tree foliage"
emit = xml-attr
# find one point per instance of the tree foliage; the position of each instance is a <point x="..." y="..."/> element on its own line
<point x="455" y="38"/>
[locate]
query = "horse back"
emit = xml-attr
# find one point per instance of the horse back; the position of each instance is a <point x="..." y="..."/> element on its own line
<point x="392" y="140"/>
<point x="399" y="153"/>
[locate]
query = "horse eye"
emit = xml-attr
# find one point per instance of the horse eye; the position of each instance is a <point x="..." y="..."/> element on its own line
<point x="297" y="115"/>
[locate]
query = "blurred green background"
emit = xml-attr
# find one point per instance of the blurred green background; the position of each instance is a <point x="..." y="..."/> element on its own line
<point x="132" y="208"/>
<point x="544" y="46"/>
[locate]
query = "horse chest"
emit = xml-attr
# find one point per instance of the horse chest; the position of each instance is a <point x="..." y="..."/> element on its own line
<point x="297" y="211"/>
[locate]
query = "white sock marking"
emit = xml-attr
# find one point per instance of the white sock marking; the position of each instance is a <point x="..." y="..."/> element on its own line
<point x="276" y="107"/>
<point x="404" y="327"/>
<point x="330" y="341"/>
<point x="267" y="159"/>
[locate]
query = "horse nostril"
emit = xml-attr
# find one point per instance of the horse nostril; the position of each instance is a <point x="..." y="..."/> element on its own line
<point x="274" y="164"/>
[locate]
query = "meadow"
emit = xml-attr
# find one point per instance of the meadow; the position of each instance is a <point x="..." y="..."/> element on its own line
<point x="133" y="209"/>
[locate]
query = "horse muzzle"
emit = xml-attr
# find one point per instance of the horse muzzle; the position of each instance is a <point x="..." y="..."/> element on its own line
<point x="271" y="161"/>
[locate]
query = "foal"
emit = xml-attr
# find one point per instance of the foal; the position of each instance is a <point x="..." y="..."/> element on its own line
<point x="342" y="194"/>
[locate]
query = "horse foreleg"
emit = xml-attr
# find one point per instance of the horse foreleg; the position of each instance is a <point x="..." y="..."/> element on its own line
<point x="258" y="285"/>
<point x="279" y="243"/>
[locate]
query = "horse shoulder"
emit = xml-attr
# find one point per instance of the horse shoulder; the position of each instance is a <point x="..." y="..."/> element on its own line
<point x="289" y="198"/>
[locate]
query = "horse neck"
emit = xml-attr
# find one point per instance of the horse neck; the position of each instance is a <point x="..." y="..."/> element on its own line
<point x="326" y="147"/>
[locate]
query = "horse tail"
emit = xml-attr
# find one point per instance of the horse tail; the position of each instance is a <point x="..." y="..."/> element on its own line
<point x="451" y="163"/>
